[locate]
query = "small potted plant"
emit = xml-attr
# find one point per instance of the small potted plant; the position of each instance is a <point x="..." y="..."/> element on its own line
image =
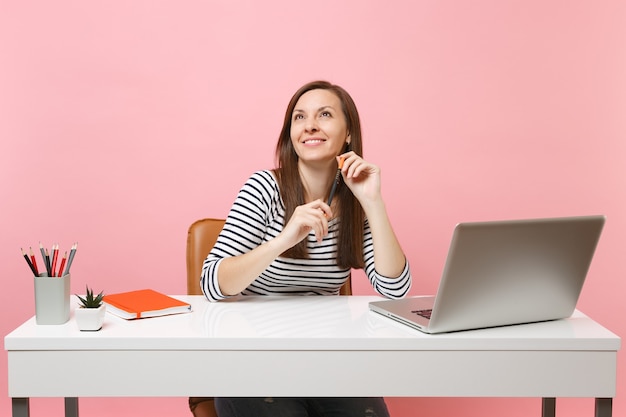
<point x="90" y="314"/>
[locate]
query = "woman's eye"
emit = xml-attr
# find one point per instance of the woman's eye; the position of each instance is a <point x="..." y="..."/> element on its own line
<point x="298" y="117"/>
<point x="326" y="114"/>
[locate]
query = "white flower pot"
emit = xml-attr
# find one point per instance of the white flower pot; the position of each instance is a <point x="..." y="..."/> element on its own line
<point x="90" y="319"/>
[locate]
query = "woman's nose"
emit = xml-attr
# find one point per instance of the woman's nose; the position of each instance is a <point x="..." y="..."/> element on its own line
<point x="311" y="125"/>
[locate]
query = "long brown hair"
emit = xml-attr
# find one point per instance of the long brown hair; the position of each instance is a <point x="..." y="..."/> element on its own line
<point x="350" y="239"/>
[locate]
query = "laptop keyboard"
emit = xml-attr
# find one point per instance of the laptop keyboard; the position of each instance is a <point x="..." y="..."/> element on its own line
<point x="423" y="313"/>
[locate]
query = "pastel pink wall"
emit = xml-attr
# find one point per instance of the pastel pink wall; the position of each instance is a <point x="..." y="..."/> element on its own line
<point x="121" y="122"/>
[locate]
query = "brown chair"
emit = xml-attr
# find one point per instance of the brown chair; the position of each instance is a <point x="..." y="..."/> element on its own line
<point x="201" y="237"/>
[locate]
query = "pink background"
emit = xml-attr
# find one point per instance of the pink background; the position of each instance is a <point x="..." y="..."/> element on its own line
<point x="121" y="122"/>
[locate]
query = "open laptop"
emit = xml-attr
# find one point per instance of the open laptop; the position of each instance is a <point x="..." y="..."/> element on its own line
<point x="505" y="272"/>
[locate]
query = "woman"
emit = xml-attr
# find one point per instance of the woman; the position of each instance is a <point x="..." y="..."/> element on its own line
<point x="287" y="235"/>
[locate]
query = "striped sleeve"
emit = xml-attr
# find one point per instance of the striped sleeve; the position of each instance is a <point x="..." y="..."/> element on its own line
<point x="257" y="216"/>
<point x="390" y="287"/>
<point x="243" y="231"/>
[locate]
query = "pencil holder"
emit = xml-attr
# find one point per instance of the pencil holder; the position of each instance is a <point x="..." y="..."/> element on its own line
<point x="52" y="299"/>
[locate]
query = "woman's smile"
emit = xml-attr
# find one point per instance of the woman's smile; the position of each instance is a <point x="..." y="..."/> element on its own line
<point x="313" y="141"/>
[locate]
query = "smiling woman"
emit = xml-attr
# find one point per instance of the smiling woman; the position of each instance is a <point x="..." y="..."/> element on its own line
<point x="284" y="233"/>
<point x="290" y="241"/>
<point x="126" y="117"/>
<point x="318" y="130"/>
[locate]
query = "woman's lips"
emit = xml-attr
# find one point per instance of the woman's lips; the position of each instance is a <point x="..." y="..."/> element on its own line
<point x="313" y="141"/>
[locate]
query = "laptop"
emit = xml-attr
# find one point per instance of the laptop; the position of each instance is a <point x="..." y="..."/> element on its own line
<point x="503" y="273"/>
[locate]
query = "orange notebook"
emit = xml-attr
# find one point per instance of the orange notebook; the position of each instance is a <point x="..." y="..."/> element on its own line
<point x="144" y="303"/>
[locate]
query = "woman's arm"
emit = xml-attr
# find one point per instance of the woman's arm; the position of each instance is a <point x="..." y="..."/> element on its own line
<point x="244" y="230"/>
<point x="237" y="273"/>
<point x="363" y="179"/>
<point x="241" y="253"/>
<point x="396" y="286"/>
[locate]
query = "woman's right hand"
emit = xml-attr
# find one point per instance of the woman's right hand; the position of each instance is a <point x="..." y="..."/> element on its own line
<point x="311" y="216"/>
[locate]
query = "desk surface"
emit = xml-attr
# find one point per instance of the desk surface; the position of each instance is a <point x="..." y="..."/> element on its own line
<point x="290" y="344"/>
<point x="301" y="323"/>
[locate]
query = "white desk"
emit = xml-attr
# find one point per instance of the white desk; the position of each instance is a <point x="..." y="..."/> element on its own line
<point x="284" y="346"/>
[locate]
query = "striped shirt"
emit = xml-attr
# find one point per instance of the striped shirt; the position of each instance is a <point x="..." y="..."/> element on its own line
<point x="257" y="216"/>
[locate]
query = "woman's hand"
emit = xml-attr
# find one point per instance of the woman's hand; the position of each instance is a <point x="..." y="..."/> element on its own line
<point x="312" y="216"/>
<point x="362" y="177"/>
<point x="237" y="272"/>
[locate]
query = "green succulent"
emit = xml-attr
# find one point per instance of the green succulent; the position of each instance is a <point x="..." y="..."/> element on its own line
<point x="89" y="301"/>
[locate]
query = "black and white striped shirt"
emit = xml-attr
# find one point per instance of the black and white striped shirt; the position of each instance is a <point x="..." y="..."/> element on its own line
<point x="257" y="216"/>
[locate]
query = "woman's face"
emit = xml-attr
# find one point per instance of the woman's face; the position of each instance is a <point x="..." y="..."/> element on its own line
<point x="318" y="127"/>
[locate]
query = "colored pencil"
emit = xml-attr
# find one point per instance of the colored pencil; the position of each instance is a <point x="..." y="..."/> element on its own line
<point x="71" y="258"/>
<point x="48" y="263"/>
<point x="45" y="258"/>
<point x="30" y="264"/>
<point x="62" y="264"/>
<point x="55" y="254"/>
<point x="34" y="261"/>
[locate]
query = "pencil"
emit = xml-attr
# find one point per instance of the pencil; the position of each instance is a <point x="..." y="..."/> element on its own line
<point x="34" y="261"/>
<point x="48" y="264"/>
<point x="55" y="254"/>
<point x="336" y="181"/>
<point x="71" y="258"/>
<point x="62" y="264"/>
<point x="43" y="255"/>
<point x="30" y="264"/>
